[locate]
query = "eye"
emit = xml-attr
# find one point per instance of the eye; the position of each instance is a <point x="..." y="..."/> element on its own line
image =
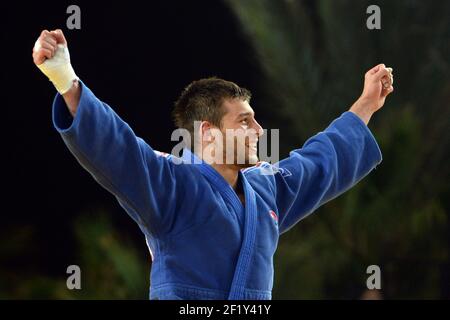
<point x="245" y="121"/>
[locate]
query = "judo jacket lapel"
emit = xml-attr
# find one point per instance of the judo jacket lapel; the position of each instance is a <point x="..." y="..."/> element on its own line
<point x="219" y="183"/>
<point x="247" y="221"/>
<point x="237" y="289"/>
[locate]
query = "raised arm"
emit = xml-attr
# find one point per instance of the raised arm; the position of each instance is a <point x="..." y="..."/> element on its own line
<point x="334" y="160"/>
<point x="51" y="56"/>
<point x="143" y="181"/>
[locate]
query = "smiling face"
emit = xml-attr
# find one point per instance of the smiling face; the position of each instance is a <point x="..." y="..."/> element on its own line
<point x="218" y="117"/>
<point x="240" y="133"/>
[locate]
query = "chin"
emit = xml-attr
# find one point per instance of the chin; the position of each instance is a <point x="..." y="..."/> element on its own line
<point x="252" y="160"/>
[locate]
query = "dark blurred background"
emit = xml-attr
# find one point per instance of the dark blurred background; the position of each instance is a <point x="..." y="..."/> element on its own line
<point x="304" y="62"/>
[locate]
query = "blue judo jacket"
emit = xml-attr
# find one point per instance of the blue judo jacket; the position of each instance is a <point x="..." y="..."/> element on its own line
<point x="204" y="243"/>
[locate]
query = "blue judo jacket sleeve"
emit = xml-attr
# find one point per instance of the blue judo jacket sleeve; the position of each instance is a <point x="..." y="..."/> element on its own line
<point x="327" y="165"/>
<point x="122" y="163"/>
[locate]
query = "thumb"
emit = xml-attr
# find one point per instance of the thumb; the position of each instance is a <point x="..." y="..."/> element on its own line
<point x="387" y="92"/>
<point x="59" y="36"/>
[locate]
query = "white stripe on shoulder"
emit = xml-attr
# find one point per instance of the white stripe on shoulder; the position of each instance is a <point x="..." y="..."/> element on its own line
<point x="149" y="249"/>
<point x="161" y="154"/>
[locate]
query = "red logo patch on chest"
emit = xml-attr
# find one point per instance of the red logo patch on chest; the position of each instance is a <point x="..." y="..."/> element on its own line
<point x="273" y="215"/>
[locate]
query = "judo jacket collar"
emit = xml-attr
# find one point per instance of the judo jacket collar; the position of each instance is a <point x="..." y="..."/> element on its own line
<point x="219" y="182"/>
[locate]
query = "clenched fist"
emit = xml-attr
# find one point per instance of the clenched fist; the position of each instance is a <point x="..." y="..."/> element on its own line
<point x="378" y="83"/>
<point x="51" y="56"/>
<point x="47" y="44"/>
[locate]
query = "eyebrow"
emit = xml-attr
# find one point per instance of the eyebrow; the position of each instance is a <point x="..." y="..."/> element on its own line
<point x="244" y="114"/>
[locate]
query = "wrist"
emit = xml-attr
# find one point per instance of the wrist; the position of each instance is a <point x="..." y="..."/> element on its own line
<point x="363" y="110"/>
<point x="59" y="70"/>
<point x="72" y="97"/>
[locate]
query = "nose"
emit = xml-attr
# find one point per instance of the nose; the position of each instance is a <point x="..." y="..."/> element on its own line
<point x="259" y="130"/>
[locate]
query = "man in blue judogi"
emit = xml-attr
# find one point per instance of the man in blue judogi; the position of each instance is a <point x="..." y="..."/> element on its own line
<point x="212" y="226"/>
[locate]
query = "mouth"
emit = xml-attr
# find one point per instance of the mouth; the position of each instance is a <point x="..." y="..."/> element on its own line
<point x="253" y="146"/>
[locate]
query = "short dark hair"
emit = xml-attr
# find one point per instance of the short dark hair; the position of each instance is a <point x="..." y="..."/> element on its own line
<point x="202" y="100"/>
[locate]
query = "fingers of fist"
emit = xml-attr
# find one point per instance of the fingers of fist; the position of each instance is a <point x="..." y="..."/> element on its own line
<point x="388" y="80"/>
<point x="46" y="45"/>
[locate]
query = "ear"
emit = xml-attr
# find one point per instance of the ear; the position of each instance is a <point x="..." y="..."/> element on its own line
<point x="205" y="131"/>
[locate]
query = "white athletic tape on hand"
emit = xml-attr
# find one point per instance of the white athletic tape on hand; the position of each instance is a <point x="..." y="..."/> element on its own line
<point x="58" y="69"/>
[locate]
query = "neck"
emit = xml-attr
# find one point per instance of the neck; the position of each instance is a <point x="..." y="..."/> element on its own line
<point x="229" y="173"/>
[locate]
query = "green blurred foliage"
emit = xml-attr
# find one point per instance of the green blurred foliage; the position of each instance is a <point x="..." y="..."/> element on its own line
<point x="111" y="267"/>
<point x="314" y="55"/>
